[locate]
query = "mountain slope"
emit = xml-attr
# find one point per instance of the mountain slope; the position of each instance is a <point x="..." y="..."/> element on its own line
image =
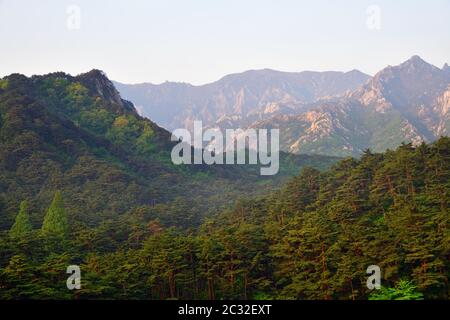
<point x="76" y="134"/>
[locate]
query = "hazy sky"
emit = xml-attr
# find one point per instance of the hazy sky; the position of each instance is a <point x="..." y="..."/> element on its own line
<point x="199" y="41"/>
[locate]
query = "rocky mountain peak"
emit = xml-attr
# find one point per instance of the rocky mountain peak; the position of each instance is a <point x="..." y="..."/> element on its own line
<point x="99" y="84"/>
<point x="446" y="70"/>
<point x="416" y="65"/>
<point x="415" y="59"/>
<point x="412" y="83"/>
<point x="98" y="81"/>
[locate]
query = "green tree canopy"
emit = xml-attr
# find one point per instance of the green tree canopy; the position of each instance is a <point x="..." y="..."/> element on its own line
<point x="404" y="290"/>
<point x="55" y="220"/>
<point x="22" y="224"/>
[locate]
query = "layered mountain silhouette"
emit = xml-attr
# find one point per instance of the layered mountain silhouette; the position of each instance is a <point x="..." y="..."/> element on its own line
<point x="328" y="113"/>
<point x="237" y="99"/>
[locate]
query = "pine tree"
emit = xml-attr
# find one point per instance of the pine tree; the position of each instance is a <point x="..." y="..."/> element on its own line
<point x="22" y="224"/>
<point x="16" y="279"/>
<point x="55" y="220"/>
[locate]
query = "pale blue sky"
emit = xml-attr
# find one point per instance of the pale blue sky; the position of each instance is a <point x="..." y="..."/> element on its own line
<point x="199" y="41"/>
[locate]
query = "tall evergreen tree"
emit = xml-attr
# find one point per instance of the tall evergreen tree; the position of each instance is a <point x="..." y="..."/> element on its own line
<point x="55" y="220"/>
<point x="22" y="224"/>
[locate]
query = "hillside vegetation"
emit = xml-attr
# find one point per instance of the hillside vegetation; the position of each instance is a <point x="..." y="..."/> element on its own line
<point x="313" y="239"/>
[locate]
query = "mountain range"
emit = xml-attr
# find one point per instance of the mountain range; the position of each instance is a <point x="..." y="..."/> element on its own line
<point x="140" y="227"/>
<point x="330" y="113"/>
<point x="237" y="98"/>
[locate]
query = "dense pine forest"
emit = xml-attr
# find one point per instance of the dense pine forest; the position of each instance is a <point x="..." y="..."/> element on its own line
<point x="84" y="180"/>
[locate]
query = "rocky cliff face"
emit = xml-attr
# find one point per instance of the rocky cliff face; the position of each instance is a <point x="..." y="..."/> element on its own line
<point x="99" y="84"/>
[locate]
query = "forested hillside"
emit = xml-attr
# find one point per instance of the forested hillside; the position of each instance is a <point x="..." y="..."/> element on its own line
<point x="77" y="135"/>
<point x="313" y="239"/>
<point x="82" y="173"/>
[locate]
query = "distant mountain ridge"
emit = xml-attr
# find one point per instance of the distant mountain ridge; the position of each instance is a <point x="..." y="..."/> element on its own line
<point x="237" y="99"/>
<point x="330" y="113"/>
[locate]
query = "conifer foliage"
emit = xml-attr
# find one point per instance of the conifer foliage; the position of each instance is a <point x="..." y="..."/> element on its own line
<point x="22" y="224"/>
<point x="55" y="221"/>
<point x="312" y="239"/>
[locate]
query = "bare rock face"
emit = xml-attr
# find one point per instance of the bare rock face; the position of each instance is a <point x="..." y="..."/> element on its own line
<point x="441" y="108"/>
<point x="99" y="84"/>
<point x="405" y="103"/>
